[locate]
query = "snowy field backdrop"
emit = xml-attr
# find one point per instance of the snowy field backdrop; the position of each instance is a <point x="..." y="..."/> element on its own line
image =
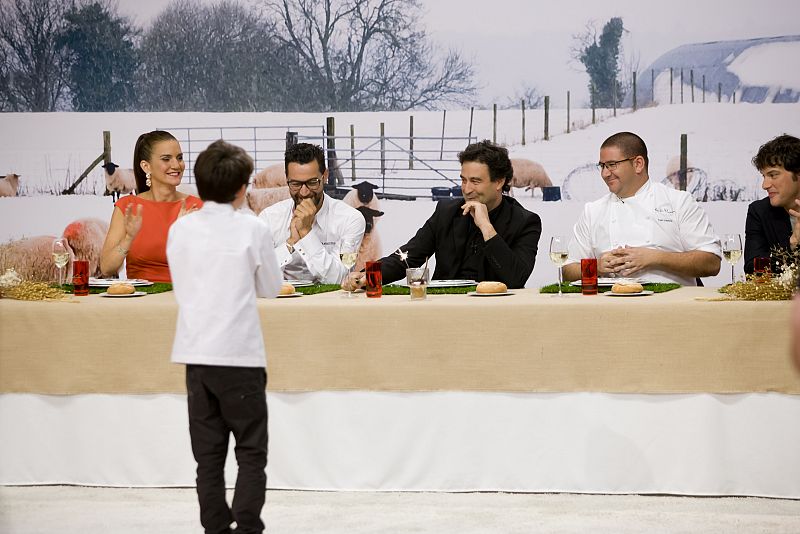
<point x="49" y="150"/>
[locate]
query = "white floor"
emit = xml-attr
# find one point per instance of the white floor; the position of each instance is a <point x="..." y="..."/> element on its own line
<point x="72" y="509"/>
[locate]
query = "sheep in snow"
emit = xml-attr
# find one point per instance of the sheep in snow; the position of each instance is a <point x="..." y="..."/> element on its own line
<point x="258" y="199"/>
<point x="85" y="238"/>
<point x="31" y="257"/>
<point x="529" y="174"/>
<point x="370" y="249"/>
<point x="269" y="177"/>
<point x="9" y="185"/>
<point x="118" y="181"/>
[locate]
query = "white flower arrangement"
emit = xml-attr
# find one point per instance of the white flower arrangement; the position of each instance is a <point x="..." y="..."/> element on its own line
<point x="10" y="278"/>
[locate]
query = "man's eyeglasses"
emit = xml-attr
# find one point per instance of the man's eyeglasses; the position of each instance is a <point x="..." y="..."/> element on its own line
<point x="612" y="165"/>
<point x="311" y="184"/>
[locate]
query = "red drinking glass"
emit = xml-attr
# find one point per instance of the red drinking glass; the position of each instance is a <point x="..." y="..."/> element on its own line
<point x="761" y="268"/>
<point x="589" y="276"/>
<point x="374" y="279"/>
<point x="80" y="277"/>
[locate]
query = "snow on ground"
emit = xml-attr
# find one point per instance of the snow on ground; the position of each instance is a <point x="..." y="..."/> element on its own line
<point x="770" y="64"/>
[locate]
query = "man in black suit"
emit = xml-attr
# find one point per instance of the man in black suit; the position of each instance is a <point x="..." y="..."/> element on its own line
<point x="774" y="221"/>
<point x="485" y="236"/>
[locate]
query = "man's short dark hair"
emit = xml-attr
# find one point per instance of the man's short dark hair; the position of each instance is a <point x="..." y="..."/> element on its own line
<point x="493" y="156"/>
<point x="630" y="144"/>
<point x="783" y="151"/>
<point x="303" y="153"/>
<point x="221" y="170"/>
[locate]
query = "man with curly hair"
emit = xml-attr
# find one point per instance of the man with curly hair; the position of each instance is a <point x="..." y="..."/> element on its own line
<point x="774" y="221"/>
<point x="486" y="236"/>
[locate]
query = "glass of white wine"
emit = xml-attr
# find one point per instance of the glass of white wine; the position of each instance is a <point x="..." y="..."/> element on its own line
<point x="732" y="250"/>
<point x="349" y="258"/>
<point x="60" y="257"/>
<point x="559" y="255"/>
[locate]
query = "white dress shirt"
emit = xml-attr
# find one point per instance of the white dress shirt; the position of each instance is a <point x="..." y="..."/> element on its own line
<point x="337" y="227"/>
<point x="657" y="217"/>
<point x="220" y="261"/>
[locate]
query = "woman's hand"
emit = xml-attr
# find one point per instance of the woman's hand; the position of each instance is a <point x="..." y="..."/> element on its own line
<point x="133" y="222"/>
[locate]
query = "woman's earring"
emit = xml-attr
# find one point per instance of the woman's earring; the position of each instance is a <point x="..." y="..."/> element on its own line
<point x="147" y="181"/>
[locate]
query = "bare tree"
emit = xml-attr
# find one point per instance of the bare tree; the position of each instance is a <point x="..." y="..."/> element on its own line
<point x="530" y="94"/>
<point x="34" y="63"/>
<point x="219" y="57"/>
<point x="367" y="55"/>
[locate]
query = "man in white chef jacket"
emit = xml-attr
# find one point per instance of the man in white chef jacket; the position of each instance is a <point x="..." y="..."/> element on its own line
<point x="310" y="230"/>
<point x="640" y="228"/>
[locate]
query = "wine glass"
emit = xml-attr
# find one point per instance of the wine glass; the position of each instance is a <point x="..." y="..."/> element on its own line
<point x="348" y="254"/>
<point x="60" y="257"/>
<point x="732" y="249"/>
<point x="559" y="255"/>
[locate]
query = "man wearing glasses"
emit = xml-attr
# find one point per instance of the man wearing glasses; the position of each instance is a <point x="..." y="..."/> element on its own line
<point x="640" y="228"/>
<point x="310" y="230"/>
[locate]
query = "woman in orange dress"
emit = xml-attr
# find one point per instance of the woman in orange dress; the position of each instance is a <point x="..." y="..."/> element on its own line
<point x="140" y="223"/>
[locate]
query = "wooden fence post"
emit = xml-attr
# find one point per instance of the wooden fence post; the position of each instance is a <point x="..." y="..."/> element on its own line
<point x="105" y="157"/>
<point x="352" y="153"/>
<point x="671" y="77"/>
<point x="719" y="92"/>
<point x="411" y="142"/>
<point x="106" y="147"/>
<point x="547" y="118"/>
<point x="383" y="151"/>
<point x="523" y="121"/>
<point x="568" y="123"/>
<point x="494" y="123"/>
<point x="704" y="88"/>
<point x="334" y="171"/>
<point x="471" y="114"/>
<point x="593" y="99"/>
<point x="614" y="96"/>
<point x="691" y="82"/>
<point x="652" y="86"/>
<point x="634" y="90"/>
<point x="684" y="159"/>
<point x="681" y="85"/>
<point x="441" y="148"/>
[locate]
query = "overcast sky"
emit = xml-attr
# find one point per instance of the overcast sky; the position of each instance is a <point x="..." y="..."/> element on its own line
<point x="524" y="42"/>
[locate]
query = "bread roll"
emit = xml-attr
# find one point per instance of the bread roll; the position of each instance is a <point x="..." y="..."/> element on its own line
<point x="491" y="287"/>
<point x="627" y="287"/>
<point x="121" y="289"/>
<point x="286" y="289"/>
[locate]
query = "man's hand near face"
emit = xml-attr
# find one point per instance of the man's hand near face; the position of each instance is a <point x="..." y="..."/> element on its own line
<point x="794" y="239"/>
<point x="480" y="214"/>
<point x="302" y="220"/>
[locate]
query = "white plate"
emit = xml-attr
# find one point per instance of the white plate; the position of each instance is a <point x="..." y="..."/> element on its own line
<point x="476" y="294"/>
<point x="300" y="283"/>
<point x="639" y="294"/>
<point x="289" y="296"/>
<point x="452" y="283"/>
<point x="608" y="282"/>
<point x="134" y="294"/>
<point x="441" y="283"/>
<point x="107" y="282"/>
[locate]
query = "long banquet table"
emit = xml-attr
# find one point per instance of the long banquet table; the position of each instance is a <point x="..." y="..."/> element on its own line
<point x="669" y="393"/>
